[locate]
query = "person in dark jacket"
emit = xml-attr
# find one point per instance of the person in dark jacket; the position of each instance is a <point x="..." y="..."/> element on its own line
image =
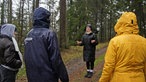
<point x="89" y="41"/>
<point x="42" y="56"/>
<point x="10" y="56"/>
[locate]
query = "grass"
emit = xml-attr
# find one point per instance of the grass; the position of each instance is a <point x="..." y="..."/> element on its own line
<point x="21" y="73"/>
<point x="99" y="59"/>
<point x="101" y="45"/>
<point x="69" y="54"/>
<point x="72" y="53"/>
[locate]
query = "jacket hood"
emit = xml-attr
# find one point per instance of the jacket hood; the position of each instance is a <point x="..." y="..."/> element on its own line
<point x="8" y="29"/>
<point x="127" y="24"/>
<point x="41" y="17"/>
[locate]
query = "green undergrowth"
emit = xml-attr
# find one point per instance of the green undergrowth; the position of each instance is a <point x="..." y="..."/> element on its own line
<point x="21" y="73"/>
<point x="99" y="59"/>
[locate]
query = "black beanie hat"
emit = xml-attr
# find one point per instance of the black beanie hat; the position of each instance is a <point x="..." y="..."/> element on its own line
<point x="89" y="25"/>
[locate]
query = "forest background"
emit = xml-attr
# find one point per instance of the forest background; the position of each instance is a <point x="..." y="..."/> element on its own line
<point x="68" y="20"/>
<point x="69" y="17"/>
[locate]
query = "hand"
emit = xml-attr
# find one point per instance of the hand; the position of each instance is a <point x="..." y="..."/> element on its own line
<point x="18" y="63"/>
<point x="93" y="41"/>
<point x="78" y="42"/>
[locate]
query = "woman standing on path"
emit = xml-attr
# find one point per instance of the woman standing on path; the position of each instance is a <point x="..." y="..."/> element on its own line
<point x="89" y="41"/>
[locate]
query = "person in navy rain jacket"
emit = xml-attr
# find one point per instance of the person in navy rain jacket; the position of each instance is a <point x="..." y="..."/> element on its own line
<point x="42" y="56"/>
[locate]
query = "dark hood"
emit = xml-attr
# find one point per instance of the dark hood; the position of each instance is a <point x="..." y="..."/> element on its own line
<point x="41" y="18"/>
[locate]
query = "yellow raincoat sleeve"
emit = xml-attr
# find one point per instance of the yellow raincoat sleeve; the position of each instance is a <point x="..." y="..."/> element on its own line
<point x="145" y="70"/>
<point x="109" y="64"/>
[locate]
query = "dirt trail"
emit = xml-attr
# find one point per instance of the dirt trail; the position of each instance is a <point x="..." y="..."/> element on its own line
<point x="76" y="69"/>
<point x="78" y="63"/>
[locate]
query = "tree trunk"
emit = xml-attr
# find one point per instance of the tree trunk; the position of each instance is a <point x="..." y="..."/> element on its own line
<point x="2" y="13"/>
<point x="37" y="3"/>
<point x="144" y="24"/>
<point x="9" y="11"/>
<point x="101" y="20"/>
<point x="33" y="5"/>
<point x="30" y="16"/>
<point x="21" y="21"/>
<point x="63" y="39"/>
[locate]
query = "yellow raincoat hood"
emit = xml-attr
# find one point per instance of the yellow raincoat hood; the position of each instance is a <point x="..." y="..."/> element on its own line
<point x="127" y="23"/>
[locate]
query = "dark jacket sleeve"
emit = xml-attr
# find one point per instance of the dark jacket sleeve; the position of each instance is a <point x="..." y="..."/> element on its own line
<point x="11" y="56"/>
<point x="96" y="40"/>
<point x="55" y="58"/>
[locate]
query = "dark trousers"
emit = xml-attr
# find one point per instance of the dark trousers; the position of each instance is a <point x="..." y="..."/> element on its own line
<point x="90" y="65"/>
<point x="7" y="75"/>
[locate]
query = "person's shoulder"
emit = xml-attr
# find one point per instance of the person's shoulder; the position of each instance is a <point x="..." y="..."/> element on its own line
<point x="5" y="40"/>
<point x="5" y="37"/>
<point x="142" y="38"/>
<point x="93" y="34"/>
<point x="84" y="35"/>
<point x="50" y="32"/>
<point x="115" y="39"/>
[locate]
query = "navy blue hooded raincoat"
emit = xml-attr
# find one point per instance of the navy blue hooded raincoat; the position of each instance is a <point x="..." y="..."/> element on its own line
<point x="42" y="55"/>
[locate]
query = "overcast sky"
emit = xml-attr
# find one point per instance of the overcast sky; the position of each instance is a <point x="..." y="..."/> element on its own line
<point x="42" y="3"/>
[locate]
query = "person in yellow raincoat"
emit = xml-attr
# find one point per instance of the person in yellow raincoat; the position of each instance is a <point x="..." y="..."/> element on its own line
<point x="125" y="59"/>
